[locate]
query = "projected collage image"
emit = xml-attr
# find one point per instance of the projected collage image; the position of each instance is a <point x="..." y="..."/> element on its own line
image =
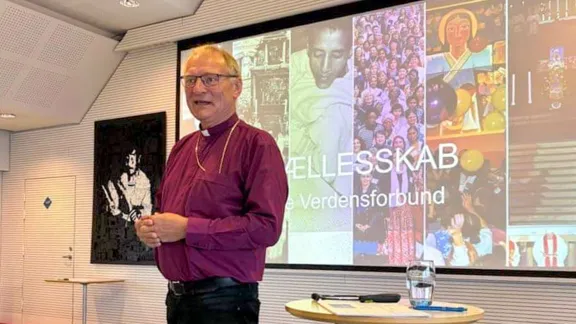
<point x="389" y="135"/>
<point x="423" y="131"/>
<point x="466" y="116"/>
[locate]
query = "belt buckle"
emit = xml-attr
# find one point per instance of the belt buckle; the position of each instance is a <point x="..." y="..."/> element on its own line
<point x="176" y="287"/>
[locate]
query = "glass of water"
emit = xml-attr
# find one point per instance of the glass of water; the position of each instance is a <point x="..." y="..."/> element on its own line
<point x="421" y="280"/>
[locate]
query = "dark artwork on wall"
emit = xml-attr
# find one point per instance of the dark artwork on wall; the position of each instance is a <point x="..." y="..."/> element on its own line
<point x="129" y="156"/>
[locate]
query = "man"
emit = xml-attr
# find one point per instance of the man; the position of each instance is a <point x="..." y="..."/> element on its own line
<point x="321" y="131"/>
<point x="130" y="195"/>
<point x="328" y="52"/>
<point x="221" y="202"/>
<point x="321" y="94"/>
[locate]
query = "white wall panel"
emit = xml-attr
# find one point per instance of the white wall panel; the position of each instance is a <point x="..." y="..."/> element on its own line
<point x="145" y="83"/>
<point x="4" y="150"/>
<point x="218" y="15"/>
<point x="1" y="174"/>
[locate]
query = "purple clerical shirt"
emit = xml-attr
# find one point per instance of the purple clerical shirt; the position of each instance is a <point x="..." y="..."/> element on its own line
<point x="235" y="206"/>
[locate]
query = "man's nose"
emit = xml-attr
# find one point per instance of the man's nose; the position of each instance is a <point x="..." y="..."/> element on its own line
<point x="198" y="86"/>
<point x="326" y="64"/>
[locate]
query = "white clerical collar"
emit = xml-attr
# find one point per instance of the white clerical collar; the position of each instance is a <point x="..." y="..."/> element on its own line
<point x="218" y="129"/>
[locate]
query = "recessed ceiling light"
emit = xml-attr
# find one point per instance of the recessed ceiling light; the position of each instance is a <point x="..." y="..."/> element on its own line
<point x="130" y="3"/>
<point x="7" y="116"/>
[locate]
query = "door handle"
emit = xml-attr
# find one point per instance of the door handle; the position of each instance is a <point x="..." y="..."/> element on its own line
<point x="69" y="257"/>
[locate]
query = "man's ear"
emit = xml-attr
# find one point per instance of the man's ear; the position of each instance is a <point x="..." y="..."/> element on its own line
<point x="238" y="85"/>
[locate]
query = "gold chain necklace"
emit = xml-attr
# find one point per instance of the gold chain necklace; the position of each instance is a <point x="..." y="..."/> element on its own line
<point x="223" y="151"/>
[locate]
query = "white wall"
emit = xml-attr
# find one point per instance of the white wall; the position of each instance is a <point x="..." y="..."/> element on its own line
<point x="144" y="83"/>
<point x="1" y="174"/>
<point x="4" y="150"/>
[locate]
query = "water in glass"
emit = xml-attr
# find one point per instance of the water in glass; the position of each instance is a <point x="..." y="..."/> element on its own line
<point x="421" y="280"/>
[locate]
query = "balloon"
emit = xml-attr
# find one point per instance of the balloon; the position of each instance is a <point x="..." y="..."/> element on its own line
<point x="499" y="99"/>
<point x="494" y="121"/>
<point x="440" y="96"/>
<point x="463" y="103"/>
<point x="472" y="160"/>
<point x="433" y="108"/>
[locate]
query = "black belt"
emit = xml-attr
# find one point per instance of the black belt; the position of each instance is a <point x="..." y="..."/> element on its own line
<point x="203" y="286"/>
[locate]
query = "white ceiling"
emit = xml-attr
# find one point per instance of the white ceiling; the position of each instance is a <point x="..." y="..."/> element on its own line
<point x="50" y="71"/>
<point x="112" y="17"/>
<point x="56" y="56"/>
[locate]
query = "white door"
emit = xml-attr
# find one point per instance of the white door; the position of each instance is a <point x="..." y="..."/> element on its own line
<point x="49" y="211"/>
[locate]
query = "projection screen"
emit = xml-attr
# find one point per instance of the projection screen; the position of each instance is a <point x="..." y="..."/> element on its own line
<point x="439" y="130"/>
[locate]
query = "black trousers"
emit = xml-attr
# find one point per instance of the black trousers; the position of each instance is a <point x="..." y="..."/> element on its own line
<point x="230" y="305"/>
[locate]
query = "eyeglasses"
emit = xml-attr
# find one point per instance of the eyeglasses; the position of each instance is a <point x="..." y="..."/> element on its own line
<point x="209" y="80"/>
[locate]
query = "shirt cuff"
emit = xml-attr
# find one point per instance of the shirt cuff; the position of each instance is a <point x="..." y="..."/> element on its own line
<point x="197" y="232"/>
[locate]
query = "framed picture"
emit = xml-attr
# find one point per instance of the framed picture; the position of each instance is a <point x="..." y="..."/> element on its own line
<point x="129" y="157"/>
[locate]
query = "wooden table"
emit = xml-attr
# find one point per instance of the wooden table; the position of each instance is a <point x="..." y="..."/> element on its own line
<point x="310" y="310"/>
<point x="84" y="283"/>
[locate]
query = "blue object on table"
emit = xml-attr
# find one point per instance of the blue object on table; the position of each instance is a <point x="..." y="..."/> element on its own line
<point x="441" y="308"/>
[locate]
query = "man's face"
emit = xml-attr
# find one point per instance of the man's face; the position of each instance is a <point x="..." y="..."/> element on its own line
<point x="132" y="161"/>
<point x="211" y="104"/>
<point x="371" y="119"/>
<point x="328" y="53"/>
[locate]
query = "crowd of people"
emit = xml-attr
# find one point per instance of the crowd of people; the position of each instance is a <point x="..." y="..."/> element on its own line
<point x="389" y="55"/>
